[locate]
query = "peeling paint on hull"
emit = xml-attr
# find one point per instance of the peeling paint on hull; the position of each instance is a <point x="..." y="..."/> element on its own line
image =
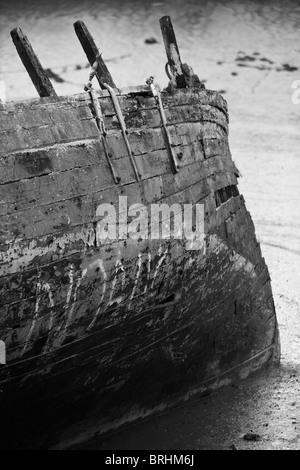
<point x="99" y="335"/>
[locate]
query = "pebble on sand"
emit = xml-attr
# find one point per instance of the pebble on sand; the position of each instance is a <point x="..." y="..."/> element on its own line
<point x="151" y="41"/>
<point x="251" y="437"/>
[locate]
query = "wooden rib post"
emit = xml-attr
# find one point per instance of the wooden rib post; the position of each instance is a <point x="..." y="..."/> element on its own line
<point x="32" y="64"/>
<point x="172" y="51"/>
<point x="93" y="55"/>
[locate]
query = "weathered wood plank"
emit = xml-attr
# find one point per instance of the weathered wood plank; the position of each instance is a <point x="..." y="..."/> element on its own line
<point x="52" y="220"/>
<point x="187" y="140"/>
<point x="213" y="147"/>
<point x="101" y="342"/>
<point x="55" y="289"/>
<point x="34" y="113"/>
<point x="50" y="163"/>
<point x="56" y="246"/>
<point x="27" y="280"/>
<point x="50" y="248"/>
<point x="227" y="269"/>
<point x="64" y="130"/>
<point x="39" y="122"/>
<point x="54" y="187"/>
<point x="129" y="98"/>
<point x="32" y="64"/>
<point x="46" y="220"/>
<point x="48" y="274"/>
<point x="21" y="139"/>
<point x="52" y="159"/>
<point x="101" y="71"/>
<point x="172" y="51"/>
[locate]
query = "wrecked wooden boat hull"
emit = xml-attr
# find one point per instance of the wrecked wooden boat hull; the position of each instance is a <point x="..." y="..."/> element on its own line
<point x="99" y="335"/>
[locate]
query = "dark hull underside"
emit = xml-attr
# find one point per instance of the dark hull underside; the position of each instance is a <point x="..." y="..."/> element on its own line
<point x="100" y="335"/>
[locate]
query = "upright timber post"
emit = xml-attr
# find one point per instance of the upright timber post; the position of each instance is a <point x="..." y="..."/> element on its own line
<point x="172" y="51"/>
<point x="32" y="64"/>
<point x="93" y="55"/>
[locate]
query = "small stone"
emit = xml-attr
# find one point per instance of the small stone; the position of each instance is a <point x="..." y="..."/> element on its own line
<point x="151" y="41"/>
<point x="233" y="447"/>
<point x="289" y="68"/>
<point x="251" y="437"/>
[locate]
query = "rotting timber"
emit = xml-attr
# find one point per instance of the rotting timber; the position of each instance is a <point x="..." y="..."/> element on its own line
<point x="99" y="335"/>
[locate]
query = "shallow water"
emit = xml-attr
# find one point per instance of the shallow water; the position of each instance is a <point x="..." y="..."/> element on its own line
<point x="251" y="51"/>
